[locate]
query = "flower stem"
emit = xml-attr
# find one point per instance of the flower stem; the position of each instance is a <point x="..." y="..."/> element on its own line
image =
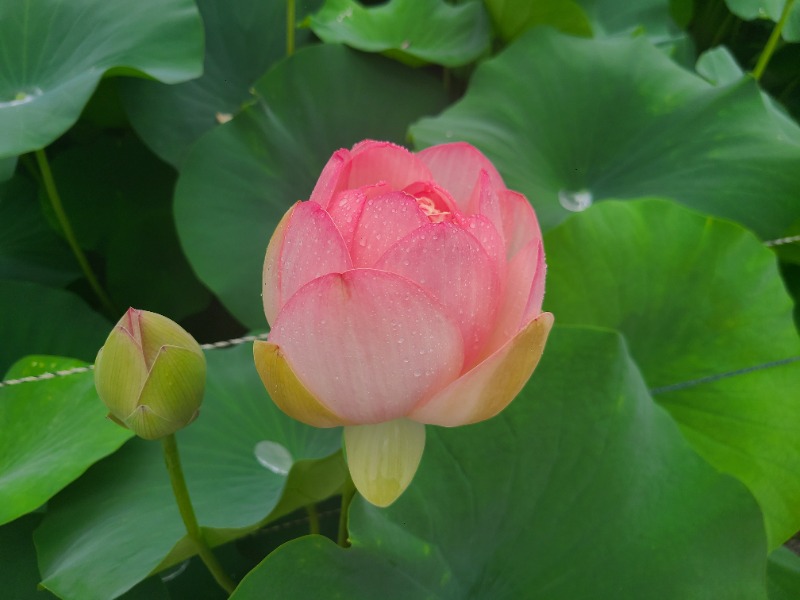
<point x="181" y="492"/>
<point x="313" y="518"/>
<point x="69" y="233"/>
<point x="348" y="491"/>
<point x="772" y="42"/>
<point x="290" y="26"/>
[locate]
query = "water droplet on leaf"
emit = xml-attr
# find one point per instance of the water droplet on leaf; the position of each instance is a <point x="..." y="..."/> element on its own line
<point x="575" y="201"/>
<point x="273" y="456"/>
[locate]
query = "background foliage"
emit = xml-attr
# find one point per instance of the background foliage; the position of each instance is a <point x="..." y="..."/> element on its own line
<point x="148" y="150"/>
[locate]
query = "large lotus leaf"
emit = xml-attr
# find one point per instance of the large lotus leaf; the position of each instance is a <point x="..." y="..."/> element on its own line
<point x="695" y="297"/>
<point x="568" y="120"/>
<point x="29" y="247"/>
<point x="768" y="9"/>
<point x="416" y="32"/>
<point x="783" y="575"/>
<point x="53" y="430"/>
<point x="515" y="507"/>
<point x="240" y="178"/>
<point x="43" y="320"/>
<point x="122" y="208"/>
<point x="119" y="522"/>
<point x="55" y="52"/>
<point x="512" y="17"/>
<point x="243" y="38"/>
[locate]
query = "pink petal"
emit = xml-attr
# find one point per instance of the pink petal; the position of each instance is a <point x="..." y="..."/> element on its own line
<point x="457" y="167"/>
<point x="368" y="344"/>
<point x="384" y="220"/>
<point x="485" y="201"/>
<point x="332" y="178"/>
<point x="305" y="246"/>
<point x="536" y="298"/>
<point x="450" y="263"/>
<point x="488" y="388"/>
<point x="271" y="277"/>
<point x="345" y="210"/>
<point x="372" y="162"/>
<point x="519" y="222"/>
<point x="519" y="281"/>
<point x="485" y="232"/>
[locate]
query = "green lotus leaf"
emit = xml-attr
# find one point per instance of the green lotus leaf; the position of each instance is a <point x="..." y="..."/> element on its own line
<point x="54" y="54"/>
<point x="697" y="298"/>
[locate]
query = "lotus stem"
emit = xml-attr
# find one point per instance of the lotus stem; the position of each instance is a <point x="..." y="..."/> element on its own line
<point x="181" y="492"/>
<point x="772" y="42"/>
<point x="69" y="233"/>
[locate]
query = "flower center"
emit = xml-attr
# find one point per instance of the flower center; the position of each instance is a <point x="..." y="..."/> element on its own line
<point x="429" y="208"/>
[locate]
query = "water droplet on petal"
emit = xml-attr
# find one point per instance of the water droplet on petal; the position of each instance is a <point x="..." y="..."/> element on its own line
<point x="273" y="456"/>
<point x="575" y="201"/>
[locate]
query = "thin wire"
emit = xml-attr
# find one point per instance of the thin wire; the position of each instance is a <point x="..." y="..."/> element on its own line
<point x="711" y="378"/>
<point x="785" y="240"/>
<point x="75" y="370"/>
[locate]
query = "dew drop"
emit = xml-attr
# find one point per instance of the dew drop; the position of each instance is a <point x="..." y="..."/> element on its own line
<point x="22" y="97"/>
<point x="273" y="456"/>
<point x="417" y="373"/>
<point x="575" y="201"/>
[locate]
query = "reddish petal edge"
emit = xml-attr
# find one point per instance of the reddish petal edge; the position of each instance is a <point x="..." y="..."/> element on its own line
<point x="287" y="391"/>
<point x="490" y="386"/>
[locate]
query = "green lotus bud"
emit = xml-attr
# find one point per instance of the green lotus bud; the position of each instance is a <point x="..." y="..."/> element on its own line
<point x="151" y="374"/>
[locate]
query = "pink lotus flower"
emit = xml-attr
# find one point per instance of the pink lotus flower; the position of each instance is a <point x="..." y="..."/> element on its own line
<point x="406" y="291"/>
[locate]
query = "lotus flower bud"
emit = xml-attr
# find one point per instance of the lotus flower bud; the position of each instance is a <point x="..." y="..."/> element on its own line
<point x="151" y="374"/>
<point x="407" y="291"/>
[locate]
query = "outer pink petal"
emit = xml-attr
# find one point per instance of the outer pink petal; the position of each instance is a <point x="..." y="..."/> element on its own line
<point x="369" y="345"/>
<point x="519" y="222"/>
<point x="536" y="298"/>
<point x="307" y="245"/>
<point x="488" y="388"/>
<point x="346" y="207"/>
<point x="456" y="167"/>
<point x="271" y="278"/>
<point x="451" y="264"/>
<point x="372" y="162"/>
<point x="332" y="178"/>
<point x="519" y="282"/>
<point x="384" y="221"/>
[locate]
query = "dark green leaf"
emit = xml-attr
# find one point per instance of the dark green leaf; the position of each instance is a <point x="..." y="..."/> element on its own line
<point x="122" y="208"/>
<point x="54" y="54"/>
<point x="582" y="489"/>
<point x="416" y="32"/>
<point x="783" y="575"/>
<point x="18" y="572"/>
<point x="243" y="38"/>
<point x="719" y="67"/>
<point x="618" y="119"/>
<point x="29" y="247"/>
<point x="42" y="320"/>
<point x="513" y="17"/>
<point x="695" y="297"/>
<point x="240" y="178"/>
